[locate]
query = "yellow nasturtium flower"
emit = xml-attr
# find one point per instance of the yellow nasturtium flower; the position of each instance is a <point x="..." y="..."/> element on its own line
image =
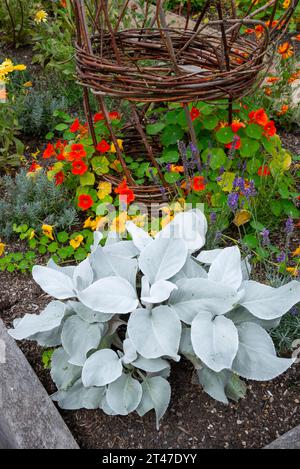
<point x="2" y="248"/>
<point x="104" y="189"/>
<point x="119" y="223"/>
<point x="48" y="231"/>
<point x="32" y="234"/>
<point x="120" y="144"/>
<point x="75" y="242"/>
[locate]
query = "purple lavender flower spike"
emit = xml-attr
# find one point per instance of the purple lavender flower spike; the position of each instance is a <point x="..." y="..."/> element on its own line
<point x="289" y="226"/>
<point x="233" y="200"/>
<point x="281" y="257"/>
<point x="265" y="236"/>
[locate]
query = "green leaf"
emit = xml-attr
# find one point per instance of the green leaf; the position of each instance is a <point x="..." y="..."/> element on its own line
<point x="172" y="177"/>
<point x="62" y="236"/>
<point x="61" y="127"/>
<point x="52" y="247"/>
<point x="154" y="129"/>
<point x="210" y="122"/>
<point x="290" y="209"/>
<point x="80" y="254"/>
<point x="169" y="156"/>
<point x="87" y="179"/>
<point x="250" y="241"/>
<point x="42" y="249"/>
<point x="225" y="135"/>
<point x="254" y="131"/>
<point x="276" y="207"/>
<point x="100" y="165"/>
<point x="256" y="225"/>
<point x="171" y="135"/>
<point x="30" y="255"/>
<point x="49" y="135"/>
<point x="249" y="147"/>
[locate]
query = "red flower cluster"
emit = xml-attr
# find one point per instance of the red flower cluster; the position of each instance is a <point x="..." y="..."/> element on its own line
<point x="123" y="190"/>
<point x="49" y="151"/>
<point x="260" y="117"/>
<point x="264" y="171"/>
<point x="79" y="167"/>
<point x="59" y="178"/>
<point x="77" y="152"/>
<point x="199" y="183"/>
<point x="85" y="201"/>
<point x="99" y="116"/>
<point x="195" y="113"/>
<point x="103" y="146"/>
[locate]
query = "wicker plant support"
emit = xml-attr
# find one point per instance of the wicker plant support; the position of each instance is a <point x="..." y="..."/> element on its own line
<point x="160" y="63"/>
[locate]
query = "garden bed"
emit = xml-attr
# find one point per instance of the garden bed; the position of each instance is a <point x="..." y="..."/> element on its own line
<point x="194" y="420"/>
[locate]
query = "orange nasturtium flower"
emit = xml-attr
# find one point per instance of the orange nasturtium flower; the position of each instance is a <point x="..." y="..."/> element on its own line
<point x="2" y="248"/>
<point x="286" y="50"/>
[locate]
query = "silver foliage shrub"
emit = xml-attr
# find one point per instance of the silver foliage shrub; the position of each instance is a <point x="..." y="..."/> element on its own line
<point x="122" y="315"/>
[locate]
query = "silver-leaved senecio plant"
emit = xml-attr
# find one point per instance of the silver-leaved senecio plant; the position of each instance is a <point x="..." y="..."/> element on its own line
<point x="121" y="316"/>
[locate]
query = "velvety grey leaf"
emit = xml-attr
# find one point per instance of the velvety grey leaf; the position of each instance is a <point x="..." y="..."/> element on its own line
<point x="88" y="314"/>
<point x="266" y="302"/>
<point x="67" y="270"/>
<point x="83" y="275"/>
<point x="48" y="339"/>
<point x="155" y="333"/>
<point x="101" y="368"/>
<point x="186" y="348"/>
<point x="207" y="257"/>
<point x="256" y="357"/>
<point x="151" y="365"/>
<point x="79" y="397"/>
<point x="124" y="249"/>
<point x="226" y="268"/>
<point x="214" y="384"/>
<point x="124" y="395"/>
<point x="236" y="388"/>
<point x="54" y="282"/>
<point x="191" y="227"/>
<point x="110" y="295"/>
<point x="162" y="259"/>
<point x="215" y="340"/>
<point x="79" y="337"/>
<point x="160" y="291"/>
<point x="199" y="294"/>
<point x="105" y="264"/>
<point x="62" y="372"/>
<point x="240" y="314"/>
<point x="156" y="395"/>
<point x="129" y="351"/>
<point x="48" y="320"/>
<point x="191" y="269"/>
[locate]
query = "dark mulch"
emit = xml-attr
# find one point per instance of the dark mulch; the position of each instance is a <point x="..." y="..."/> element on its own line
<point x="193" y="420"/>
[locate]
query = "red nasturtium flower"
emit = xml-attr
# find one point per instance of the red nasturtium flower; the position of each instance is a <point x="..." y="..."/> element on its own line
<point x="33" y="167"/>
<point x="270" y="129"/>
<point x="75" y="126"/>
<point x="103" y="146"/>
<point x="59" y="178"/>
<point x="237" y="125"/>
<point x="195" y="113"/>
<point x="77" y="152"/>
<point x="79" y="167"/>
<point x="49" y="151"/>
<point x="98" y="117"/>
<point x="259" y="117"/>
<point x="114" y="115"/>
<point x="199" y="183"/>
<point x="85" y="201"/>
<point x="264" y="171"/>
<point x="123" y="190"/>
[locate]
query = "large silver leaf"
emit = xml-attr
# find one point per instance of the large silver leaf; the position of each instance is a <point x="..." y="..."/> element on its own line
<point x="124" y="249"/>
<point x="151" y="365"/>
<point x="54" y="282"/>
<point x="110" y="295"/>
<point x="101" y="368"/>
<point x="214" y="384"/>
<point x="79" y="397"/>
<point x="191" y="227"/>
<point x="240" y="314"/>
<point x="215" y="340"/>
<point x="156" y="395"/>
<point x="83" y="275"/>
<point x="191" y="269"/>
<point x="266" y="302"/>
<point x="124" y="395"/>
<point x="199" y="294"/>
<point x="140" y="237"/>
<point x="226" y="268"/>
<point x="48" y="320"/>
<point x="105" y="264"/>
<point x="155" y="333"/>
<point x="63" y="373"/>
<point x="162" y="259"/>
<point x="79" y="337"/>
<point x="88" y="314"/>
<point x="160" y="291"/>
<point x="256" y="357"/>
